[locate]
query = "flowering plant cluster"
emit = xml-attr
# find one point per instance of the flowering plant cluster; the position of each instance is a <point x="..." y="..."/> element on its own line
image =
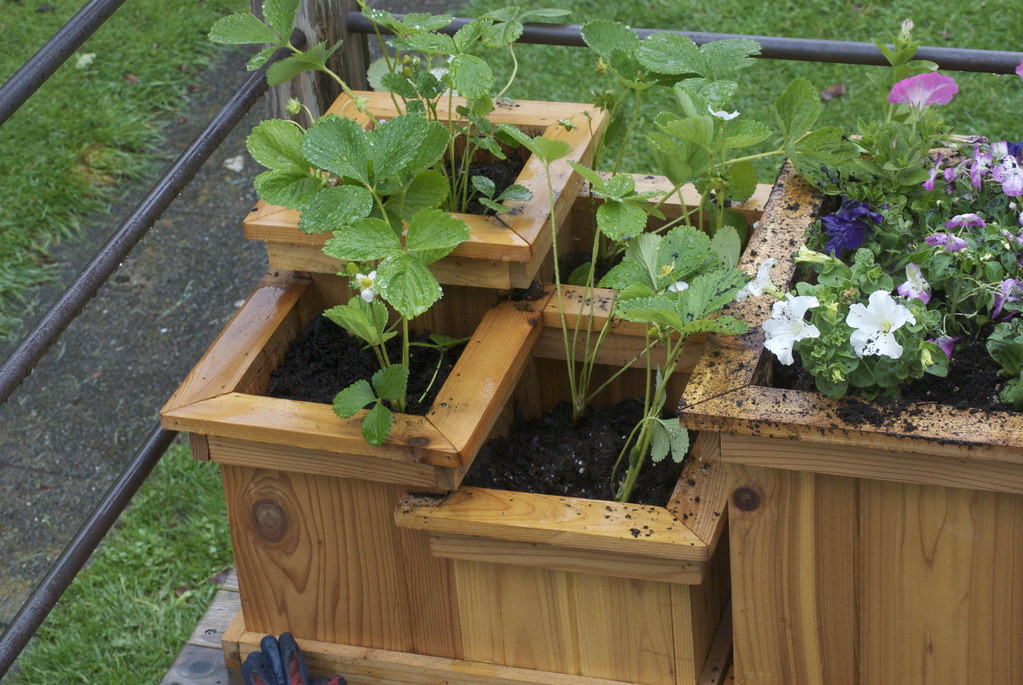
<point x="922" y="256"/>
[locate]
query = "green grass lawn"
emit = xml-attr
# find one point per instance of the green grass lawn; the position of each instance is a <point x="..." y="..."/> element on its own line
<point x="124" y="619"/>
<point x="89" y="129"/>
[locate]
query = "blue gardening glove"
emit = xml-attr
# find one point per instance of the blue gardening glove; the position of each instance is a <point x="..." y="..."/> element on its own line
<point x="279" y="662"/>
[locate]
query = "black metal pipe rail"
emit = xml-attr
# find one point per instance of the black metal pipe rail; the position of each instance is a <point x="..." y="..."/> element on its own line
<point x="35" y="610"/>
<point x="48" y="59"/>
<point x="798" y="49"/>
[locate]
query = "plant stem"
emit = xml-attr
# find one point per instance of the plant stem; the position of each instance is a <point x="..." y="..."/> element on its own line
<point x="515" y="69"/>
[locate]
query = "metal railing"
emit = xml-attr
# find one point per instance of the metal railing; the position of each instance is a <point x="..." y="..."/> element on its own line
<point x="35" y="345"/>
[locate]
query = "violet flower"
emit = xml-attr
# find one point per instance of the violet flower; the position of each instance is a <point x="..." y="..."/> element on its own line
<point x="965" y="220"/>
<point x="935" y="170"/>
<point x="1019" y="70"/>
<point x="915" y="285"/>
<point x="951" y="243"/>
<point x="847" y="228"/>
<point x="947" y="343"/>
<point x="980" y="166"/>
<point x="1009" y="174"/>
<point x="1010" y="290"/>
<point x="924" y="90"/>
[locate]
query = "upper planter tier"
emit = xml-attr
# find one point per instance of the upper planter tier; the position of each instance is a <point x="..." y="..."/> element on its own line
<point x="503" y="251"/>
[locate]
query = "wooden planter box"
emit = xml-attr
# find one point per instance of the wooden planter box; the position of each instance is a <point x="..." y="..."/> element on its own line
<point x="389" y="593"/>
<point x="503" y="251"/>
<point x="860" y="555"/>
<point x="484" y="585"/>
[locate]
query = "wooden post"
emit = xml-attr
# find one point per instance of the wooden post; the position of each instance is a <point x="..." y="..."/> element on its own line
<point x="321" y="20"/>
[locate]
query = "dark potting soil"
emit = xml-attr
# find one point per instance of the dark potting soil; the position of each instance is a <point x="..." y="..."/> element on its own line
<point x="972" y="383"/>
<point x="502" y="172"/>
<point x="551" y="456"/>
<point x="325" y="359"/>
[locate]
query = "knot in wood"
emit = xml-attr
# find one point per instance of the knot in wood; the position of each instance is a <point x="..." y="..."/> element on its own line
<point x="746" y="499"/>
<point x="270" y="520"/>
<point x="419" y="441"/>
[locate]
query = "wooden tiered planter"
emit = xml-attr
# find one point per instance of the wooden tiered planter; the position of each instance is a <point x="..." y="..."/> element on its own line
<point x="504" y="587"/>
<point x="860" y="555"/>
<point x="503" y="251"/>
<point x="390" y="590"/>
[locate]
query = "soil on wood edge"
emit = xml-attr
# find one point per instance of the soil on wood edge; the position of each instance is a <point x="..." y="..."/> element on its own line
<point x="972" y="384"/>
<point x="549" y="455"/>
<point x="325" y="359"/>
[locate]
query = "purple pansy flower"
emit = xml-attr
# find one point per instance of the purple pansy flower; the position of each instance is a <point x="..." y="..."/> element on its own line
<point x="915" y="285"/>
<point x="847" y="228"/>
<point x="951" y="243"/>
<point x="947" y="343"/>
<point x="1014" y="149"/>
<point x="965" y="220"/>
<point x="924" y="90"/>
<point x="981" y="164"/>
<point x="1010" y="290"/>
<point x="1009" y="174"/>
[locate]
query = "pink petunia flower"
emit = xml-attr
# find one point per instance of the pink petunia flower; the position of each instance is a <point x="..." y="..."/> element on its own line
<point x="1019" y="70"/>
<point x="1009" y="174"/>
<point x="916" y="285"/>
<point x="947" y="343"/>
<point x="924" y="90"/>
<point x="951" y="243"/>
<point x="965" y="221"/>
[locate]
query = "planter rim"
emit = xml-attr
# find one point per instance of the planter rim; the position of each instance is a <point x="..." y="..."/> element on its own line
<point x="726" y="393"/>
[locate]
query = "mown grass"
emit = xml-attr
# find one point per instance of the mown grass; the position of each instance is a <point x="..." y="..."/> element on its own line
<point x="71" y="148"/>
<point x="987" y="104"/>
<point x="126" y="616"/>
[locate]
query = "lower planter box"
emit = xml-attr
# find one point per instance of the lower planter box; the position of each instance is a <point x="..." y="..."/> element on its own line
<point x="376" y="587"/>
<point x="861" y="554"/>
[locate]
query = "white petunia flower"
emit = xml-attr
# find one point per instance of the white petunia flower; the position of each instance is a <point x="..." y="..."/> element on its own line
<point x="876" y="324"/>
<point x="722" y="114"/>
<point x="366" y="283"/>
<point x="761" y="284"/>
<point x="786" y="326"/>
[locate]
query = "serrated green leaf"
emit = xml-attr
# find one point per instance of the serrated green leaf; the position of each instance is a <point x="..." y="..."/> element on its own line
<point x="629" y="70"/>
<point x="707" y="93"/>
<point x="643" y="250"/>
<point x="407" y="284"/>
<point x="544" y="13"/>
<point x="797" y="109"/>
<point x="740" y="181"/>
<point x="595" y="180"/>
<point x="430" y="43"/>
<point x="470" y="76"/>
<point x="723" y="57"/>
<point x="394" y="145"/>
<point x="677" y="438"/>
<point x="261" y="57"/>
<point x="353" y="398"/>
<point x="334" y="207"/>
<point x="375" y="73"/>
<point x="504" y="14"/>
<point x="280" y="14"/>
<point x="620" y="220"/>
<point x="390" y="381"/>
<point x="687" y="251"/>
<point x="698" y="130"/>
<point x="363" y="241"/>
<point x="433" y="143"/>
<point x="377" y="424"/>
<point x="708" y="293"/>
<point x="727" y="245"/>
<point x="603" y="36"/>
<point x="670" y="53"/>
<point x="660" y="443"/>
<point x="502" y="34"/>
<point x="546" y="149"/>
<point x="484" y="186"/>
<point x="311" y="60"/>
<point x="291" y="189"/>
<point x="364" y="320"/>
<point x="495" y="207"/>
<point x="338" y="145"/>
<point x="658" y="310"/>
<point x="421" y="21"/>
<point x="515" y="193"/>
<point x="277" y="144"/>
<point x="396" y="83"/>
<point x="426" y="191"/>
<point x="435" y="230"/>
<point x="624" y="274"/>
<point x="618" y="186"/>
<point x="470" y="33"/>
<point x="742" y="133"/>
<point x="241" y="29"/>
